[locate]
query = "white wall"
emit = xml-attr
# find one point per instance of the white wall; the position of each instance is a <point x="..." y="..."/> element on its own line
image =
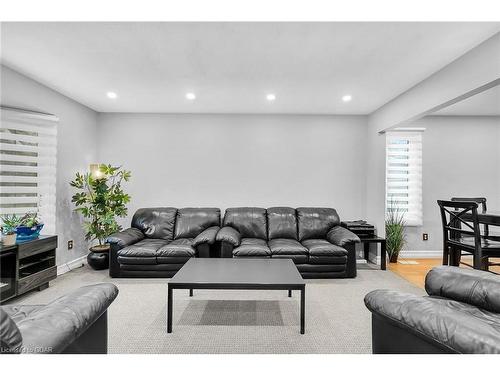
<point x="238" y="160"/>
<point x="76" y="148"/>
<point x="461" y="157"/>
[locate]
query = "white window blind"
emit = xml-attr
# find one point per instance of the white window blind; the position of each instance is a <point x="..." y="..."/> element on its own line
<point x="28" y="156"/>
<point x="404" y="174"/>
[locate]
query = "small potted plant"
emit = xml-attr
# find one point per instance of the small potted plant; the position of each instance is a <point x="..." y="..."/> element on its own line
<point x="9" y="227"/>
<point x="100" y="199"/>
<point x="394" y="231"/>
<point x="29" y="227"/>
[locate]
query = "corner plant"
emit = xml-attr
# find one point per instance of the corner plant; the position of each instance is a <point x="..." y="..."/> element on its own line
<point x="101" y="199"/>
<point x="10" y="223"/>
<point x="394" y="231"/>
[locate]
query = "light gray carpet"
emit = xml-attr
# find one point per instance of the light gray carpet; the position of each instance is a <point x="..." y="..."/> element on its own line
<point x="215" y="321"/>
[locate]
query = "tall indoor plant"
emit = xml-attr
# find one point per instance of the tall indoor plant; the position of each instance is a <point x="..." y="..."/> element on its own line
<point x="101" y="199"/>
<point x="394" y="231"/>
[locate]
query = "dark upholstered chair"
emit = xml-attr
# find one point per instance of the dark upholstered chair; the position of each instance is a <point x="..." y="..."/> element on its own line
<point x="311" y="237"/>
<point x="75" y="323"/>
<point x="161" y="240"/>
<point x="460" y="314"/>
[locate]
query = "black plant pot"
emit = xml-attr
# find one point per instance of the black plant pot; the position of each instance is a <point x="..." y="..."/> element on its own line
<point x="98" y="260"/>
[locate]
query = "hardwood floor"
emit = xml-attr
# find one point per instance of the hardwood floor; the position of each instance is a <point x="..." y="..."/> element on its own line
<point x="415" y="269"/>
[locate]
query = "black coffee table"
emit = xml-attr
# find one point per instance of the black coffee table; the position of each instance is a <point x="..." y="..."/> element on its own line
<point x="245" y="274"/>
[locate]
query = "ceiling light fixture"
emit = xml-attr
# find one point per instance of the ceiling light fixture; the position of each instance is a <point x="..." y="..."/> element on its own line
<point x="346" y="98"/>
<point x="190" y="96"/>
<point x="271" y="97"/>
<point x="111" y="95"/>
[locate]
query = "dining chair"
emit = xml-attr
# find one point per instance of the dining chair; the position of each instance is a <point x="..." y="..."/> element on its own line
<point x="482" y="202"/>
<point x="461" y="235"/>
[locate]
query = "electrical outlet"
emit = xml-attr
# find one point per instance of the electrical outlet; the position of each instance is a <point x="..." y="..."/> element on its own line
<point x="70" y="244"/>
<point x="425" y="237"/>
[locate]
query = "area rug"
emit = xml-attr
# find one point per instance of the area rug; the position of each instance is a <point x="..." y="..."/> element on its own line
<point x="215" y="321"/>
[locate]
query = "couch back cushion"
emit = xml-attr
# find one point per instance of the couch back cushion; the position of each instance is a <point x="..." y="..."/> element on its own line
<point x="157" y="222"/>
<point x="315" y="222"/>
<point x="282" y="223"/>
<point x="251" y="222"/>
<point x="191" y="222"/>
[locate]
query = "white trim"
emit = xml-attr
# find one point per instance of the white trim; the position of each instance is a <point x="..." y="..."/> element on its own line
<point x="71" y="265"/>
<point x="421" y="254"/>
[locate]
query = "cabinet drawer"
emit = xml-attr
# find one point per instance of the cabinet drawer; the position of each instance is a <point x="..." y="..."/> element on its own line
<point x="32" y="281"/>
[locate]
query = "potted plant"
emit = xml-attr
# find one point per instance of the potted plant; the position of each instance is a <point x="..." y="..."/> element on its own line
<point x="9" y="227"/>
<point x="29" y="227"/>
<point x="101" y="199"/>
<point x="394" y="231"/>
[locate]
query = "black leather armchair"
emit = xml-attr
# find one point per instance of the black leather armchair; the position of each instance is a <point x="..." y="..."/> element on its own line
<point x="461" y="314"/>
<point x="161" y="240"/>
<point x="311" y="237"/>
<point x="75" y="323"/>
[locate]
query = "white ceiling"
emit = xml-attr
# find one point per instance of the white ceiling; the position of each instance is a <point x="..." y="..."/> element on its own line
<point x="486" y="103"/>
<point x="232" y="66"/>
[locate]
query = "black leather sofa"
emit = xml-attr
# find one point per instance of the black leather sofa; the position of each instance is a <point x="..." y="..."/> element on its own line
<point x="461" y="314"/>
<point x="74" y="324"/>
<point x="311" y="237"/>
<point x="161" y="240"/>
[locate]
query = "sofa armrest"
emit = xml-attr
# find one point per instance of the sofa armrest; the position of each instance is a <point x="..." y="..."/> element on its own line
<point x="475" y="287"/>
<point x="125" y="238"/>
<point x="229" y="234"/>
<point x="55" y="326"/>
<point x="207" y="236"/>
<point x="341" y="236"/>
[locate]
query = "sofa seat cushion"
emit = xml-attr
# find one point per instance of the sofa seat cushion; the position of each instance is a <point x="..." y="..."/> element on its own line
<point x="286" y="246"/>
<point x="142" y="252"/>
<point x="180" y="247"/>
<point x="324" y="248"/>
<point x="457" y="325"/>
<point x="252" y="247"/>
<point x="324" y="259"/>
<point x="296" y="258"/>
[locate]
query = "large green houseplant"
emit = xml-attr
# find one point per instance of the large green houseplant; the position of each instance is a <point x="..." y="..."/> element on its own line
<point x="101" y="199"/>
<point x="394" y="231"/>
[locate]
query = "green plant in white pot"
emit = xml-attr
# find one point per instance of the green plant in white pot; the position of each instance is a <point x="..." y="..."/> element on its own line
<point x="9" y="227"/>
<point x="394" y="231"/>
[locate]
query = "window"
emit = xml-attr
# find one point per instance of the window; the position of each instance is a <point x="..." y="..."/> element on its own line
<point x="404" y="175"/>
<point x="28" y="147"/>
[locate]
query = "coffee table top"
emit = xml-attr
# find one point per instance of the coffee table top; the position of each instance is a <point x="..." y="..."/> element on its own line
<point x="238" y="273"/>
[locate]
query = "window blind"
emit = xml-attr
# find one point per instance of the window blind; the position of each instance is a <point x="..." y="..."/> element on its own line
<point x="28" y="157"/>
<point x="404" y="175"/>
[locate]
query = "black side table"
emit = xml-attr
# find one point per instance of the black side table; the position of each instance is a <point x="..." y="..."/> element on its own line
<point x="366" y="241"/>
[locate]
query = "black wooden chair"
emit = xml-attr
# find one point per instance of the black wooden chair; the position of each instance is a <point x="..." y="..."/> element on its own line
<point x="460" y="235"/>
<point x="482" y="202"/>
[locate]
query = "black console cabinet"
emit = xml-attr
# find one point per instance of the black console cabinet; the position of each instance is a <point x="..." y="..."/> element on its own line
<point x="27" y="266"/>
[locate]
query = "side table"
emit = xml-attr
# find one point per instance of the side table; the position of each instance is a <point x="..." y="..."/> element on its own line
<point x="366" y="241"/>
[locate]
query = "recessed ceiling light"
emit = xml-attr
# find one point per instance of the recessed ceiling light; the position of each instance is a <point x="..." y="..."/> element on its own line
<point x="347" y="98"/>
<point x="271" y="97"/>
<point x="190" y="96"/>
<point x="111" y="95"/>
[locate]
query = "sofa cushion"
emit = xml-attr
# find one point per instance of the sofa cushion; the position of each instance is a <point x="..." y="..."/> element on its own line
<point x="296" y="258"/>
<point x="177" y="248"/>
<point x="461" y="327"/>
<point x="315" y="222"/>
<point x="251" y="222"/>
<point x="282" y="223"/>
<point x="155" y="222"/>
<point x="252" y="247"/>
<point x="286" y="246"/>
<point x="10" y="336"/>
<point x="327" y="259"/>
<point x="142" y="252"/>
<point x="191" y="222"/>
<point x="324" y="248"/>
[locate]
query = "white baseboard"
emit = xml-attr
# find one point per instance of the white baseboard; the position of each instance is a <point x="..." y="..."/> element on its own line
<point x="421" y="254"/>
<point x="75" y="263"/>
